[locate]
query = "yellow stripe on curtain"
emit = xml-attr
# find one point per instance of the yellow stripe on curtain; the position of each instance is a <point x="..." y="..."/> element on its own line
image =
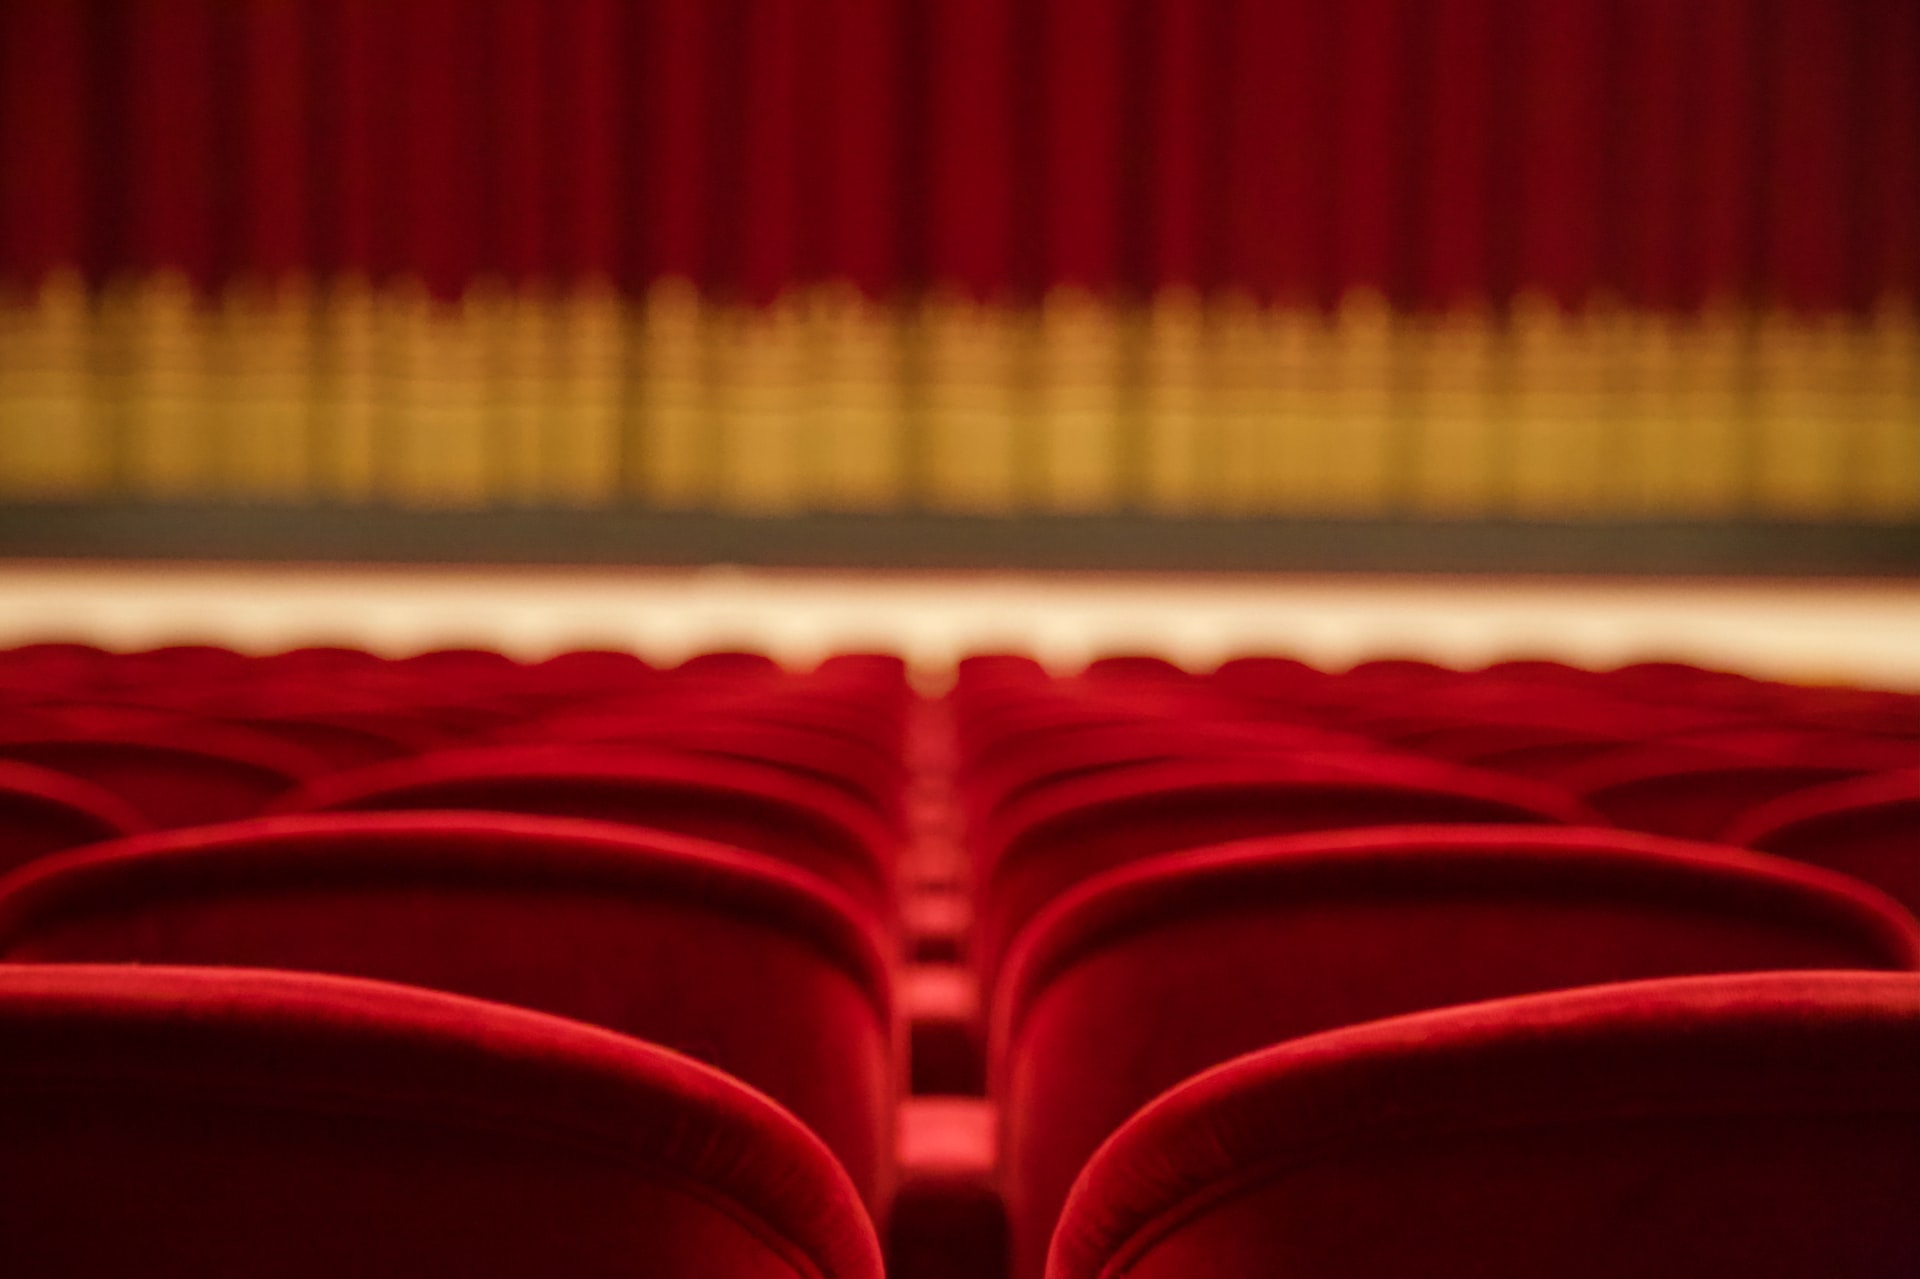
<point x="345" y="393"/>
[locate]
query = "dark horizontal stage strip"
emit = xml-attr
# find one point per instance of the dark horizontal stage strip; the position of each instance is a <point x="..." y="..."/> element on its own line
<point x="939" y="541"/>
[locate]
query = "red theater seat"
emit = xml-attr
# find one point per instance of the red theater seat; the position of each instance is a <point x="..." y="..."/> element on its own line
<point x="51" y="657"/>
<point x="321" y="660"/>
<point x="192" y="664"/>
<point x="1863" y="751"/>
<point x="881" y="672"/>
<point x="980" y="671"/>
<point x="1479" y="741"/>
<point x="987" y="730"/>
<point x="1866" y="827"/>
<point x="342" y="741"/>
<point x="757" y="808"/>
<point x="1763" y="1126"/>
<point x="780" y="702"/>
<point x="737" y="961"/>
<point x="1038" y="759"/>
<point x="1403" y="672"/>
<point x="1689" y="793"/>
<point x="1548" y="756"/>
<point x="1121" y="668"/>
<point x="730" y="664"/>
<point x="1862" y="710"/>
<point x="104" y="717"/>
<point x="231" y="1124"/>
<point x="459" y="666"/>
<point x="1538" y="670"/>
<point x="1854" y="711"/>
<point x="587" y="673"/>
<point x="1148" y="975"/>
<point x="1284" y="681"/>
<point x="43" y="812"/>
<point x="185" y="773"/>
<point x="1063" y="836"/>
<point x="859" y="768"/>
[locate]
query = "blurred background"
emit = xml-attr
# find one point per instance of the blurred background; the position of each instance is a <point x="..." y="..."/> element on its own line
<point x="1460" y="286"/>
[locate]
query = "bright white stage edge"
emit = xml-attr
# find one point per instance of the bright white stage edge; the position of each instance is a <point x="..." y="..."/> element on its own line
<point x="1865" y="632"/>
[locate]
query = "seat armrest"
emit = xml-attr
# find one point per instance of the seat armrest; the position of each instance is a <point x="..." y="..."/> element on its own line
<point x="948" y="1220"/>
<point x="945" y="1042"/>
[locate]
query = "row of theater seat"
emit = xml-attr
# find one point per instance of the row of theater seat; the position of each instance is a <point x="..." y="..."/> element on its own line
<point x="1270" y="970"/>
<point x="1168" y="871"/>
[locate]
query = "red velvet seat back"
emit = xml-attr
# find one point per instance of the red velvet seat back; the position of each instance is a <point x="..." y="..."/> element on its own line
<point x="185" y="774"/>
<point x="1861" y="752"/>
<point x="341" y="742"/>
<point x="1547" y="760"/>
<point x="1134" y="668"/>
<point x="759" y="809"/>
<point x="1765" y="1127"/>
<point x="990" y="727"/>
<point x="1145" y="977"/>
<point x="858" y="768"/>
<point x="1473" y="741"/>
<point x="1689" y="793"/>
<point x="1867" y="827"/>
<point x="731" y="960"/>
<point x="231" y="1124"/>
<point x="1075" y="830"/>
<point x="1036" y="760"/>
<point x="43" y="812"/>
<point x="730" y="664"/>
<point x="587" y="673"/>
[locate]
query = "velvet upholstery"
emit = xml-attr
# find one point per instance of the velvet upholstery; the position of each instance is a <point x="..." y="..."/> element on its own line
<point x="817" y="705"/>
<point x="588" y="672"/>
<point x="232" y="1124"/>
<point x="340" y="740"/>
<point x="1072" y="831"/>
<point x="1477" y="741"/>
<point x="1548" y="760"/>
<point x="1763" y="1126"/>
<point x="42" y="811"/>
<point x="1038" y="759"/>
<point x="183" y="774"/>
<point x="990" y="726"/>
<point x="730" y="959"/>
<point x="860" y="768"/>
<point x="1853" y="709"/>
<point x="59" y="719"/>
<point x="1133" y="667"/>
<point x="757" y="808"/>
<point x="1147" y="975"/>
<point x="1687" y="792"/>
<point x="1860" y="752"/>
<point x="729" y="664"/>
<point x="1866" y="827"/>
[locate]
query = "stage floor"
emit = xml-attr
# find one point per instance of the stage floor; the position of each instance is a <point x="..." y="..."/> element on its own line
<point x="1826" y="630"/>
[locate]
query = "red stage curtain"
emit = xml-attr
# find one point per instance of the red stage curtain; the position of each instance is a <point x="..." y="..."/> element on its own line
<point x="1710" y="208"/>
